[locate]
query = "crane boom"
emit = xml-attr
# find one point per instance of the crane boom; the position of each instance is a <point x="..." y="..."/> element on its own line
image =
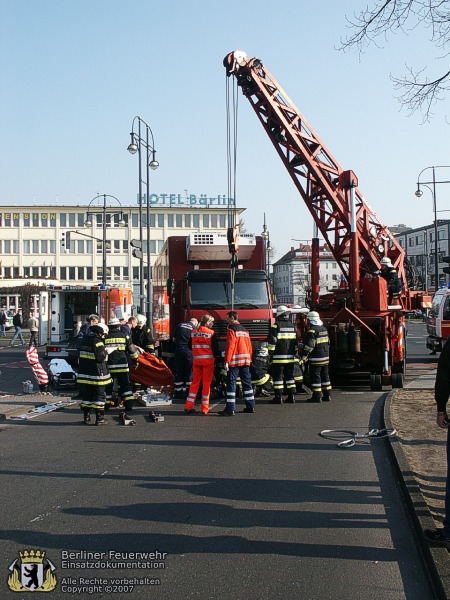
<point x="355" y="234"/>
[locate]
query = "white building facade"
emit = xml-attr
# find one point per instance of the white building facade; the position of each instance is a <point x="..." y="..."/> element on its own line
<point x="42" y="244"/>
<point x="292" y="274"/>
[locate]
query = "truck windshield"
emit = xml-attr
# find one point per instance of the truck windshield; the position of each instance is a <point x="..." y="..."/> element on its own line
<point x="217" y="294"/>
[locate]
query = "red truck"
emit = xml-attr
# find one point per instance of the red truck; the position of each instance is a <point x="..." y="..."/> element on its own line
<point x="192" y="277"/>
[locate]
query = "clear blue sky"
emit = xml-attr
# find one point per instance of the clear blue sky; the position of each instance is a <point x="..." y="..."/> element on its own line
<point x="74" y="73"/>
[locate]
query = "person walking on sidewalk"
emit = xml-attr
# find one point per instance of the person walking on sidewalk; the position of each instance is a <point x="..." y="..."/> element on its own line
<point x="205" y="353"/>
<point x="441" y="535"/>
<point x="238" y="358"/>
<point x="3" y="321"/>
<point x="17" y="322"/>
<point x="33" y="326"/>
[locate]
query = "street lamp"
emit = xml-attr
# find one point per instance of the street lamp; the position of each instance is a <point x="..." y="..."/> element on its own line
<point x="419" y="193"/>
<point x="89" y="223"/>
<point x="136" y="145"/>
<point x="267" y="247"/>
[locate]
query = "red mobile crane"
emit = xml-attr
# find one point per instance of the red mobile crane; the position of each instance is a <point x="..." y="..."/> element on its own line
<point x="365" y="334"/>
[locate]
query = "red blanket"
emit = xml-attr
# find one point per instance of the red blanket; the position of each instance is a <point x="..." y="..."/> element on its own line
<point x="152" y="372"/>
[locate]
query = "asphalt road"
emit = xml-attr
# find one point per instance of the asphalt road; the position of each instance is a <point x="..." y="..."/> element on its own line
<point x="251" y="507"/>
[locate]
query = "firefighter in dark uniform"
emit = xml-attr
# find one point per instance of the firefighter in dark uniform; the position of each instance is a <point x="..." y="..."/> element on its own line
<point x="141" y="336"/>
<point x="316" y="348"/>
<point x="283" y="347"/>
<point x="394" y="283"/>
<point x="183" y="357"/>
<point x="93" y="373"/>
<point x="259" y="372"/>
<point x="120" y="347"/>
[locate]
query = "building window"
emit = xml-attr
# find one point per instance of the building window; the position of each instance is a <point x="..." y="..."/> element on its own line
<point x="80" y="273"/>
<point x="160" y="220"/>
<point x="170" y="221"/>
<point x="80" y="219"/>
<point x="52" y="219"/>
<point x="62" y="273"/>
<point x="99" y="273"/>
<point x="441" y="235"/>
<point x="63" y="220"/>
<point x="116" y="246"/>
<point x="26" y="219"/>
<point x="89" y="273"/>
<point x="206" y="221"/>
<point x="53" y="247"/>
<point x="80" y="246"/>
<point x="35" y="219"/>
<point x="117" y="217"/>
<point x="7" y="246"/>
<point x="35" y="246"/>
<point x="179" y="220"/>
<point x="15" y="272"/>
<point x="135" y="273"/>
<point x="410" y="242"/>
<point x="16" y="219"/>
<point x="26" y="271"/>
<point x="126" y="273"/>
<point x="160" y="244"/>
<point x="223" y="221"/>
<point x="72" y="217"/>
<point x="44" y="271"/>
<point x="26" y="246"/>
<point x="152" y="246"/>
<point x="214" y="221"/>
<point x="124" y="246"/>
<point x="44" y="220"/>
<point x="44" y="246"/>
<point x="116" y="273"/>
<point x="7" y="272"/>
<point x="134" y="219"/>
<point x="35" y="271"/>
<point x="7" y="219"/>
<point x="187" y="221"/>
<point x="196" y="220"/>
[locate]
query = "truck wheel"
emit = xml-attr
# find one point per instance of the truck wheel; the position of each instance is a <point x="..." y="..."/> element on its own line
<point x="375" y="382"/>
<point x="397" y="380"/>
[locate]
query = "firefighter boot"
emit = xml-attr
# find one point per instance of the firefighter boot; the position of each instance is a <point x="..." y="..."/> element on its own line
<point x="128" y="405"/>
<point x="326" y="397"/>
<point x="316" y="397"/>
<point x="100" y="417"/>
<point x="277" y="399"/>
<point x="291" y="397"/>
<point x="86" y="416"/>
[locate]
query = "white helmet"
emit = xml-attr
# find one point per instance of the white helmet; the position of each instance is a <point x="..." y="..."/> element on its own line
<point x="100" y="328"/>
<point x="281" y="310"/>
<point x="386" y="261"/>
<point x="114" y="322"/>
<point x="313" y="315"/>
<point x="141" y="319"/>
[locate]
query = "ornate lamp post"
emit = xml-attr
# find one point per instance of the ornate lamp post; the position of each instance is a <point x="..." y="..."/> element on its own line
<point x="104" y="211"/>
<point x="136" y="145"/>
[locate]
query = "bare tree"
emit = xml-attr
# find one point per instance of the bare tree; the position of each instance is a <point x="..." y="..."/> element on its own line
<point x="419" y="92"/>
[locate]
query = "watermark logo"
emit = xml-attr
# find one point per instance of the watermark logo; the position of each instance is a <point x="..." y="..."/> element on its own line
<point x="32" y="572"/>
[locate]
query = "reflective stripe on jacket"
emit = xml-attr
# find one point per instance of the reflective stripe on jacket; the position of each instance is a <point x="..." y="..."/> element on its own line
<point x="316" y="345"/>
<point x="282" y="341"/>
<point x="93" y="369"/>
<point x="205" y="347"/>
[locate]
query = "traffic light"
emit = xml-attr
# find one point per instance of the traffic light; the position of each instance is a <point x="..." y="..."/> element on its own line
<point x="137" y="248"/>
<point x="65" y="241"/>
<point x="446" y="259"/>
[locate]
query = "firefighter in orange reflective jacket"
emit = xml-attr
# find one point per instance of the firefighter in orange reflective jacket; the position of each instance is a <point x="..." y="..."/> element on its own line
<point x="205" y="352"/>
<point x="238" y="357"/>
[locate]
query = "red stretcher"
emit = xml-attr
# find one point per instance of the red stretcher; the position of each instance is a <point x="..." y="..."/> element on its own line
<point x="153" y="372"/>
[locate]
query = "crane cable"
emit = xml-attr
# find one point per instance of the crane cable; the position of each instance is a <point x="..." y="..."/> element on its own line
<point x="233" y="227"/>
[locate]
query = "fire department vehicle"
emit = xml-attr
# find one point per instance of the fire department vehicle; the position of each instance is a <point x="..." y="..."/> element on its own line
<point x="367" y="335"/>
<point x="192" y="277"/>
<point x="64" y="308"/>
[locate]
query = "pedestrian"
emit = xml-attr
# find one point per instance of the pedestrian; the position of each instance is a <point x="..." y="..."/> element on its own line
<point x="3" y="322"/>
<point x="441" y="535"/>
<point x="238" y="358"/>
<point x="316" y="348"/>
<point x="394" y="283"/>
<point x="18" y="324"/>
<point x="205" y="354"/>
<point x="141" y="336"/>
<point x="33" y="326"/>
<point x="93" y="374"/>
<point x="183" y="357"/>
<point x="283" y="348"/>
<point x="120" y="348"/>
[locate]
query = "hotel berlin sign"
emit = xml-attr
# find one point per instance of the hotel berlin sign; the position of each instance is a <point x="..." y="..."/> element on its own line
<point x="187" y="200"/>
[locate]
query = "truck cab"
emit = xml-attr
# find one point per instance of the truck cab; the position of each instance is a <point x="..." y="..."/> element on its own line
<point x="438" y="320"/>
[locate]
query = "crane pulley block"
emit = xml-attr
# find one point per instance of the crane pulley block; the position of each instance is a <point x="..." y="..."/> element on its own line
<point x="232" y="238"/>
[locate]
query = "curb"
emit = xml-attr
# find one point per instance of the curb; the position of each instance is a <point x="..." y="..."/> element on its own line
<point x="437" y="559"/>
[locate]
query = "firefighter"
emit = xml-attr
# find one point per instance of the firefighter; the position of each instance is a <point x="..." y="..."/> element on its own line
<point x="205" y="353"/>
<point x="183" y="357"/>
<point x="93" y="373"/>
<point x="141" y="336"/>
<point x="120" y="347"/>
<point x="238" y="357"/>
<point x="283" y="347"/>
<point x="394" y="283"/>
<point x="259" y="372"/>
<point x="316" y="347"/>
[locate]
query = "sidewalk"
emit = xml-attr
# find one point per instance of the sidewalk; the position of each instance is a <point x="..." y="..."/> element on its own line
<point x="420" y="458"/>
